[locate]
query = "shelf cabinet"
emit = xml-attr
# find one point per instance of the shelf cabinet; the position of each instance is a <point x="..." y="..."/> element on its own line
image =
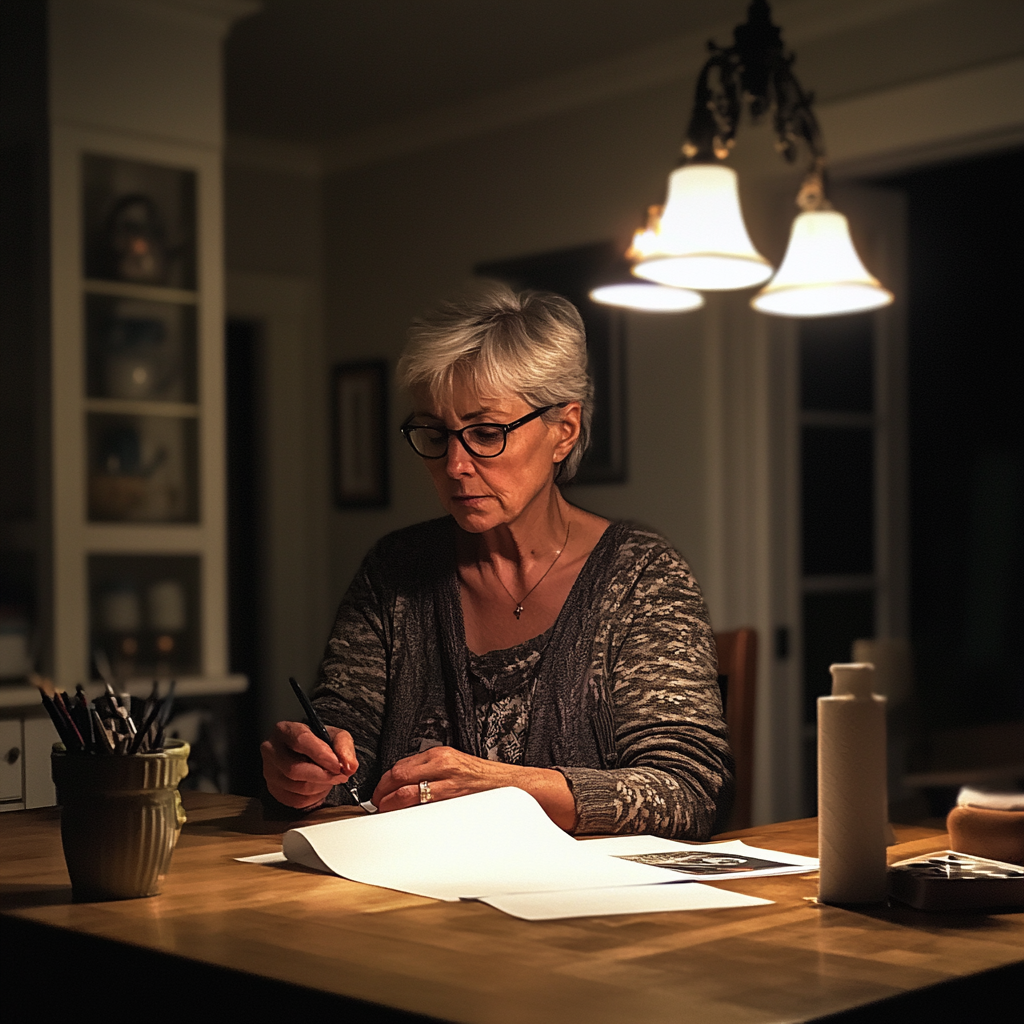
<point x="118" y="544"/>
<point x="138" y="396"/>
<point x="112" y="475"/>
<point x="143" y="421"/>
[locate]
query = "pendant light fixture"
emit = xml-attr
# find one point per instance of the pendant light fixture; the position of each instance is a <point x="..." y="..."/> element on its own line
<point x="625" y="291"/>
<point x="647" y="298"/>
<point x="821" y="274"/>
<point x="703" y="242"/>
<point x="700" y="240"/>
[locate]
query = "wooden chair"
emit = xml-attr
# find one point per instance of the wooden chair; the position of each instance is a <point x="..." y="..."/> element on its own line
<point x="737" y="675"/>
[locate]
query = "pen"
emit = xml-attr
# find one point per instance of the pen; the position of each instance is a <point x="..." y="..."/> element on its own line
<point x="140" y="736"/>
<point x="318" y="730"/>
<point x="82" y="718"/>
<point x="105" y="726"/>
<point x="58" y="721"/>
<point x="104" y="741"/>
<point x="77" y="743"/>
<point x="162" y="719"/>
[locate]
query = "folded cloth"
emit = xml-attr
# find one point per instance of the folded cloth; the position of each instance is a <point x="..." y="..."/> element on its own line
<point x="988" y="825"/>
<point x="994" y="801"/>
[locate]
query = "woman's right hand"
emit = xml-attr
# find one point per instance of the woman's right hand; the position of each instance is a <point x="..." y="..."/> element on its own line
<point x="300" y="769"/>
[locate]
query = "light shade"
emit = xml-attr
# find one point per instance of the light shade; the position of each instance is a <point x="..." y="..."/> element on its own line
<point x="645" y="239"/>
<point x="702" y="241"/>
<point x="821" y="274"/>
<point x="650" y="298"/>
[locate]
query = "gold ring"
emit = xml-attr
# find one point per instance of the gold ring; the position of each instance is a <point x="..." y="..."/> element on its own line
<point x="425" y="795"/>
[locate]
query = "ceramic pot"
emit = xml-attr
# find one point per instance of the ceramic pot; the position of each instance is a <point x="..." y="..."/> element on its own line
<point x="120" y="818"/>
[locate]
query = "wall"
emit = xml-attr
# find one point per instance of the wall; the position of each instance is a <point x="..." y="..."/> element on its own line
<point x="406" y="230"/>
<point x="402" y="234"/>
<point x="273" y="232"/>
<point x="706" y="390"/>
<point x="272" y="220"/>
<point x="700" y="425"/>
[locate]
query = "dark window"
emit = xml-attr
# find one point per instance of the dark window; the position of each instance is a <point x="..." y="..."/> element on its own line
<point x="836" y="364"/>
<point x="838" y="500"/>
<point x="965" y="382"/>
<point x="832" y="621"/>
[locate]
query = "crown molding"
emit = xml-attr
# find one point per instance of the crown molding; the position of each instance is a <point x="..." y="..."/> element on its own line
<point x="952" y="116"/>
<point x="676" y="59"/>
<point x="967" y="113"/>
<point x="653" y="66"/>
<point x="214" y="17"/>
<point x="670" y="60"/>
<point x="274" y="155"/>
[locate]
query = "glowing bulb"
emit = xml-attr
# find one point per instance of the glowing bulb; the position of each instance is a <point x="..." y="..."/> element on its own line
<point x="702" y="241"/>
<point x="650" y="298"/>
<point x="645" y="239"/>
<point x="821" y="274"/>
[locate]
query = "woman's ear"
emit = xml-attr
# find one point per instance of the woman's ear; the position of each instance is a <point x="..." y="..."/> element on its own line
<point x="567" y="431"/>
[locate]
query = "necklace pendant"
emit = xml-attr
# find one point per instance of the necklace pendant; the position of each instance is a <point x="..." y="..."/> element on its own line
<point x="518" y="611"/>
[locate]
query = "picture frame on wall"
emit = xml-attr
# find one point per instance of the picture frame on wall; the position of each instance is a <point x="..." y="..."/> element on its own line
<point x="359" y="425"/>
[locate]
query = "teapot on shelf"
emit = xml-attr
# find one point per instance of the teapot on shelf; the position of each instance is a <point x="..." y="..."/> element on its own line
<point x="136" y="241"/>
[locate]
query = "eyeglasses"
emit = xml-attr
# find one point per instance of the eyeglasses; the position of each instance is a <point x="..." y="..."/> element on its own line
<point x="482" y="440"/>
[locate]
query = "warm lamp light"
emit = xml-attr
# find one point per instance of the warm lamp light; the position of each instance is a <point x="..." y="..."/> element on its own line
<point x="821" y="274"/>
<point x="624" y="291"/>
<point x="702" y="241"/>
<point x="645" y="240"/>
<point x="649" y="298"/>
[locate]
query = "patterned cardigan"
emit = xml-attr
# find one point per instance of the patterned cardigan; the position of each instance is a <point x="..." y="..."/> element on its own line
<point x="622" y="697"/>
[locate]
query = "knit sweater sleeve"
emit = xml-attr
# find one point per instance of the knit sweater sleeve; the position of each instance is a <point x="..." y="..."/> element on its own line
<point x="350" y="690"/>
<point x="656" y="654"/>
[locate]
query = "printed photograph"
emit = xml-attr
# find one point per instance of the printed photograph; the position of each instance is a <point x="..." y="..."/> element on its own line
<point x="690" y="862"/>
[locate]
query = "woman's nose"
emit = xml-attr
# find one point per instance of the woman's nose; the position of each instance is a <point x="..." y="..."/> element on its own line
<point x="458" y="461"/>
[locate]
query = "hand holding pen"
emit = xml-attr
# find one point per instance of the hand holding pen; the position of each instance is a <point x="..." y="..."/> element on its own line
<point x="301" y="764"/>
<point x="319" y="730"/>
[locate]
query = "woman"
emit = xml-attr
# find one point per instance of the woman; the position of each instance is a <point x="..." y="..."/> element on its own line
<point x="520" y="641"/>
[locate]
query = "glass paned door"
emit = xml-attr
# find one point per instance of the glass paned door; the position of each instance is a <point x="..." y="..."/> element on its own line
<point x="838" y="497"/>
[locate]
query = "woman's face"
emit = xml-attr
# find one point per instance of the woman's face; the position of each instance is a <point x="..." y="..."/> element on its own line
<point x="484" y="493"/>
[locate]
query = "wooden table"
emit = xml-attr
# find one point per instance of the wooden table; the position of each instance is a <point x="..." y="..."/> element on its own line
<point x="240" y="941"/>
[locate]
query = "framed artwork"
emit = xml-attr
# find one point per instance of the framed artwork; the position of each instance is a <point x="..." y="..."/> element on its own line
<point x="572" y="273"/>
<point x="360" y="444"/>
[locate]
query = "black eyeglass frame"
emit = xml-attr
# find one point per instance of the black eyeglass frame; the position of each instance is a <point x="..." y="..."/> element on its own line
<point x="447" y="433"/>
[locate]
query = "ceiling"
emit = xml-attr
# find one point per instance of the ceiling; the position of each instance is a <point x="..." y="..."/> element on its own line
<point x="315" y="84"/>
<point x="313" y="71"/>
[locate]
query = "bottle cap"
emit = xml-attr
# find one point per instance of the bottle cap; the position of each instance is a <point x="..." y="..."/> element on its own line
<point x="855" y="680"/>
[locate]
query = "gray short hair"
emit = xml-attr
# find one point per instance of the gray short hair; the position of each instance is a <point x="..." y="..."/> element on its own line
<point x="531" y="344"/>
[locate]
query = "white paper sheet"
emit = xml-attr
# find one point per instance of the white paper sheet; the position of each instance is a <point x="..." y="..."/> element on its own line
<point x="633" y="846"/>
<point x="264" y="858"/>
<point x="634" y="899"/>
<point x="496" y="842"/>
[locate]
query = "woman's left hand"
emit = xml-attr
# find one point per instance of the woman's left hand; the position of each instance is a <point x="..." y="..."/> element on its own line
<point x="451" y="773"/>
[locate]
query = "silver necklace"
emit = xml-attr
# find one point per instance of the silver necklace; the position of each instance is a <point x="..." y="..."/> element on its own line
<point x="519" y="604"/>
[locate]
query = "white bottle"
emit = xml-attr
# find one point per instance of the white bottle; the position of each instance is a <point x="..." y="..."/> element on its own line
<point x="852" y="803"/>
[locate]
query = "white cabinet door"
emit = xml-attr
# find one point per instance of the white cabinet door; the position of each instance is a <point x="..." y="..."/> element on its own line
<point x="39" y="737"/>
<point x="11" y="758"/>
